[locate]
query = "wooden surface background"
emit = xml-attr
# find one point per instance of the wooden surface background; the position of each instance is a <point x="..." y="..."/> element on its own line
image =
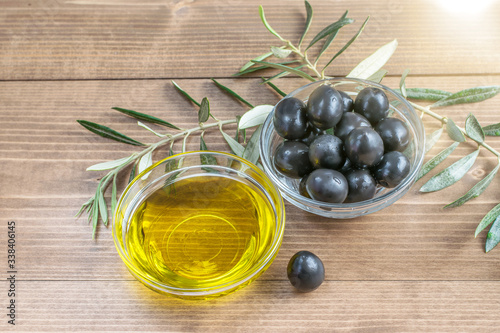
<point x="410" y="267"/>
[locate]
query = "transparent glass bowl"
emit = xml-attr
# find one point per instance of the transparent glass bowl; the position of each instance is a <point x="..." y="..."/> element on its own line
<point x="400" y="108"/>
<point x="207" y="234"/>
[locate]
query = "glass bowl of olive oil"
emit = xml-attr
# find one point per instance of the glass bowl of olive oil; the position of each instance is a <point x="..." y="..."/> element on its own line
<point x="199" y="224"/>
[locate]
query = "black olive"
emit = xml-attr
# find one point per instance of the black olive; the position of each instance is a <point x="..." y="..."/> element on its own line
<point x="372" y="103"/>
<point x="364" y="147"/>
<point x="327" y="185"/>
<point x="324" y="107"/>
<point x="305" y="271"/>
<point x="362" y="186"/>
<point x="392" y="169"/>
<point x="394" y="133"/>
<point x="346" y="101"/>
<point x="327" y="151"/>
<point x="292" y="159"/>
<point x="350" y="121"/>
<point x="312" y="134"/>
<point x="290" y="118"/>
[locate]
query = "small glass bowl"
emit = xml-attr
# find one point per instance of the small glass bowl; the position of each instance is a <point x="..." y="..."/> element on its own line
<point x="192" y="168"/>
<point x="289" y="187"/>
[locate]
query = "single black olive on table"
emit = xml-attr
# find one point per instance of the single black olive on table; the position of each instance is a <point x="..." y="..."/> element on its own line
<point x="372" y="103"/>
<point x="346" y="101"/>
<point x="364" y="147"/>
<point x="350" y="121"/>
<point x="327" y="151"/>
<point x="392" y="169"/>
<point x="324" y="107"/>
<point x="362" y="186"/>
<point x="394" y="133"/>
<point x="290" y="118"/>
<point x="305" y="271"/>
<point x="292" y="159"/>
<point x="327" y="185"/>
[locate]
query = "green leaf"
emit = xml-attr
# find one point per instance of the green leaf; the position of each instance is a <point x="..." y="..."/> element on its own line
<point x="288" y="69"/>
<point x="348" y="44"/>
<point x="258" y="68"/>
<point x="474" y="129"/>
<point x="329" y="39"/>
<point x="426" y="94"/>
<point x="278" y="90"/>
<point x="378" y="76"/>
<point x="476" y="190"/>
<point x="493" y="237"/>
<point x="113" y="196"/>
<point x="492" y="130"/>
<point x="268" y="27"/>
<point x="250" y="63"/>
<point x="204" y="111"/>
<point x="451" y="174"/>
<point x="206" y="159"/>
<point x="251" y="151"/>
<point x="132" y="173"/>
<point x="402" y="83"/>
<point x="85" y="206"/>
<point x="150" y="129"/>
<point x="94" y="217"/>
<point x="255" y="116"/>
<point x="110" y="164"/>
<point x="491" y="216"/>
<point x="374" y="62"/>
<point x="279" y="52"/>
<point x="454" y="132"/>
<point x="431" y="139"/>
<point x="332" y="28"/>
<point x="236" y="147"/>
<point x="145" y="162"/>
<point x="108" y="133"/>
<point x="185" y="93"/>
<point x="471" y="95"/>
<point x="145" y="117"/>
<point x="281" y="74"/>
<point x="103" y="208"/>
<point x="436" y="160"/>
<point x="330" y="131"/>
<point x="232" y="93"/>
<point x="309" y="17"/>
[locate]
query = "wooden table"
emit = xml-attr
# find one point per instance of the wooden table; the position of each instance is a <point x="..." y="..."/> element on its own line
<point x="411" y="267"/>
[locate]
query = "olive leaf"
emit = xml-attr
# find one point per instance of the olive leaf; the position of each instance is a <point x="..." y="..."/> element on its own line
<point x="431" y="139"/>
<point x="476" y="190"/>
<point x="94" y="216"/>
<point x="288" y="69"/>
<point x="132" y="173"/>
<point x="281" y="74"/>
<point x="451" y="174"/>
<point x="329" y="39"/>
<point x="491" y="216"/>
<point x="493" y="237"/>
<point x="235" y="146"/>
<point x="374" y="62"/>
<point x="471" y="95"/>
<point x="426" y="94"/>
<point x="183" y="92"/>
<point x="492" y="130"/>
<point x="145" y="117"/>
<point x="309" y="17"/>
<point x="378" y="76"/>
<point x="110" y="164"/>
<point x="249" y="64"/>
<point x="108" y="133"/>
<point x="402" y="83"/>
<point x="255" y="116"/>
<point x="280" y="53"/>
<point x="84" y="206"/>
<point x="348" y="44"/>
<point x="251" y="151"/>
<point x="474" y="129"/>
<point x="206" y="159"/>
<point x="113" y="195"/>
<point x="258" y="68"/>
<point x="103" y="208"/>
<point x="278" y="90"/>
<point x="232" y="93"/>
<point x="332" y="28"/>
<point x="150" y="129"/>
<point x="268" y="27"/>
<point x="436" y="160"/>
<point x="145" y="162"/>
<point x="454" y="132"/>
<point x="204" y="111"/>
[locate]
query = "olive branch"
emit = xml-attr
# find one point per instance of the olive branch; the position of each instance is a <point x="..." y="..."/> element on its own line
<point x="370" y="68"/>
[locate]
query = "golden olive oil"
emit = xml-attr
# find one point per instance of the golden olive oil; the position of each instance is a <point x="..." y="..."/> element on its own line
<point x="201" y="231"/>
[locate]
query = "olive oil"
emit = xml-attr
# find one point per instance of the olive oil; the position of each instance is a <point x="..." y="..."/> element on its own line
<point x="200" y="231"/>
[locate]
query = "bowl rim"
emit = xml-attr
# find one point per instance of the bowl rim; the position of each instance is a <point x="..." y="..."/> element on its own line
<point x="212" y="291"/>
<point x="268" y="128"/>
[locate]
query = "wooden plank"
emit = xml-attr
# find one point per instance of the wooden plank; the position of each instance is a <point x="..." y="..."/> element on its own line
<point x="86" y="39"/>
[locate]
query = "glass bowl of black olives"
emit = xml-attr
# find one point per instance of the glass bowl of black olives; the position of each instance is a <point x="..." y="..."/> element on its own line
<point x="342" y="147"/>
